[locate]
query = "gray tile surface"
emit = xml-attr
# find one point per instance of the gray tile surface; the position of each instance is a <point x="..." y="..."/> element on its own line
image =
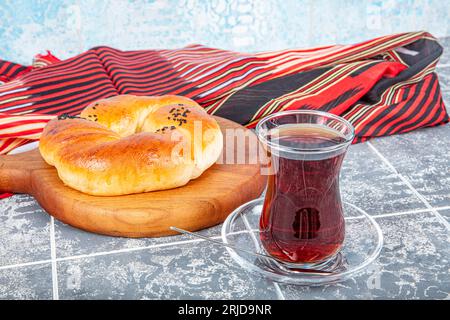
<point x="446" y="97"/>
<point x="414" y="264"/>
<point x="445" y="58"/>
<point x="445" y="214"/>
<point x="24" y="231"/>
<point x="372" y="195"/>
<point x="369" y="184"/>
<point x="359" y="160"/>
<point x="30" y="282"/>
<point x="71" y="241"/>
<point x="444" y="80"/>
<point x="443" y="69"/>
<point x="190" y="271"/>
<point x="423" y="157"/>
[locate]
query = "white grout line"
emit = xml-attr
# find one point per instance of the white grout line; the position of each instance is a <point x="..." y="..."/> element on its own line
<point x="25" y="264"/>
<point x="401" y="213"/>
<point x="386" y="161"/>
<point x="278" y="291"/>
<point x="53" y="257"/>
<point x="54" y="260"/>
<point x="442" y="208"/>
<point x="410" y="186"/>
<point x="96" y="254"/>
<point x="427" y="204"/>
<point x="103" y="253"/>
<point x="125" y="250"/>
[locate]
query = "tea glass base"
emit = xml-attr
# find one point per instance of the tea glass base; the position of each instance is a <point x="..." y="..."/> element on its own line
<point x="362" y="245"/>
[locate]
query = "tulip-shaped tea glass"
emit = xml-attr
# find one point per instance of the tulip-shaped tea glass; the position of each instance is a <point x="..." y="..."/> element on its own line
<point x="302" y="222"/>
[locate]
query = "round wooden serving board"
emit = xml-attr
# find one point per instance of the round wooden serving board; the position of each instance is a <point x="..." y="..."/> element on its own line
<point x="203" y="202"/>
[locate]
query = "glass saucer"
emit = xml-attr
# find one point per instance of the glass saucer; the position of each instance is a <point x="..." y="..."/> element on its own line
<point x="362" y="245"/>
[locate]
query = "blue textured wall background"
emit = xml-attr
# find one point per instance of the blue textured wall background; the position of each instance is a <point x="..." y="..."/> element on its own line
<point x="68" y="27"/>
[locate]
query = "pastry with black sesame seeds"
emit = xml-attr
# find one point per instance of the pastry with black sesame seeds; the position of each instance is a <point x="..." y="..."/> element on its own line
<point x="130" y="144"/>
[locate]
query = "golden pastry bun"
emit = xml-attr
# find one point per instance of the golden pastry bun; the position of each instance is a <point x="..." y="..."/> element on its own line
<point x="131" y="144"/>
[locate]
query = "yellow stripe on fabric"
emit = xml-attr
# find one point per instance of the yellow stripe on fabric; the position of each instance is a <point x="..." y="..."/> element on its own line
<point x="374" y="108"/>
<point x="350" y="57"/>
<point x="229" y="93"/>
<point x="387" y="96"/>
<point x="20" y="131"/>
<point x="222" y="75"/>
<point x="14" y="99"/>
<point x="16" y="143"/>
<point x="323" y="85"/>
<point x="15" y="118"/>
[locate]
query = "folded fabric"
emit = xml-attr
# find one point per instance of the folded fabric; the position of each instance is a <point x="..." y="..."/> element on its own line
<point x="382" y="86"/>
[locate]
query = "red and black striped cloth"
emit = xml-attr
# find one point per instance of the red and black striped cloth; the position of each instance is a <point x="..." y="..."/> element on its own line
<point x="383" y="86"/>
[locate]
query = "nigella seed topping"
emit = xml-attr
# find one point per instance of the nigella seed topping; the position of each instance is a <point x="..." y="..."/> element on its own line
<point x="67" y="116"/>
<point x="162" y="130"/>
<point x="177" y="114"/>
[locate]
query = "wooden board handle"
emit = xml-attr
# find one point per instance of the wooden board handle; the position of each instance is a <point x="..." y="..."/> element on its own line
<point x="15" y="171"/>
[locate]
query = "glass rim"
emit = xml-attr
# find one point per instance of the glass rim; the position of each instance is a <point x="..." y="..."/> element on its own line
<point x="348" y="137"/>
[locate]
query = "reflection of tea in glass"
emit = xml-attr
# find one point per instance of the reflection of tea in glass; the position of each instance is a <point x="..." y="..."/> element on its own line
<point x="302" y="219"/>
